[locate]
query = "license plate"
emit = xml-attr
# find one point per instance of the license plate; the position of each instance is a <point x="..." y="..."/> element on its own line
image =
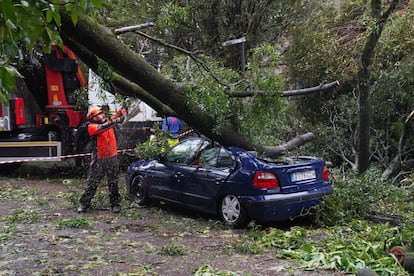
<point x="305" y="175"/>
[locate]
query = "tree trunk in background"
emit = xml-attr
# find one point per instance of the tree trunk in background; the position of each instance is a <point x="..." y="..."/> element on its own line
<point x="364" y="75"/>
<point x="364" y="124"/>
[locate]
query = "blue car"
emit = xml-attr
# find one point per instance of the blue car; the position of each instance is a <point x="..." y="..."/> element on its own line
<point x="230" y="182"/>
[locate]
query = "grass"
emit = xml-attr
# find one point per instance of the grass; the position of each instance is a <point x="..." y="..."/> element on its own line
<point x="21" y="216"/>
<point x="73" y="222"/>
<point x="173" y="248"/>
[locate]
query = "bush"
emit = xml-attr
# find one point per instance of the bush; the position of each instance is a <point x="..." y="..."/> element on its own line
<point x="360" y="197"/>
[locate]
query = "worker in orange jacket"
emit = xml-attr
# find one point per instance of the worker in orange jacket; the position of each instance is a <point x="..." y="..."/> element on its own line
<point x="104" y="160"/>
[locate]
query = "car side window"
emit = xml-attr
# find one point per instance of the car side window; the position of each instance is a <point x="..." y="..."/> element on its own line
<point x="184" y="152"/>
<point x="224" y="159"/>
<point x="216" y="157"/>
<point x="208" y="158"/>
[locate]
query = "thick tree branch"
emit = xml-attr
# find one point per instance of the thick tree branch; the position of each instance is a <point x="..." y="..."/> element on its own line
<point x="287" y="93"/>
<point x="133" y="28"/>
<point x="284" y="148"/>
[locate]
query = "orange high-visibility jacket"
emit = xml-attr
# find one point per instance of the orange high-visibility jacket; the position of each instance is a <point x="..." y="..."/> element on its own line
<point x="105" y="140"/>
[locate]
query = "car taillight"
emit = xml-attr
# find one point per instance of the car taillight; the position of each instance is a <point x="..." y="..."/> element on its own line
<point x="264" y="180"/>
<point x="325" y="173"/>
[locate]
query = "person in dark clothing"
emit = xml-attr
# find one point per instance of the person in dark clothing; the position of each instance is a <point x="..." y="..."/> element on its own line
<point x="82" y="144"/>
<point x="104" y="159"/>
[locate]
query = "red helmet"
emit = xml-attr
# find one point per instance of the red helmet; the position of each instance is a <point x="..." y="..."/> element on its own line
<point x="93" y="112"/>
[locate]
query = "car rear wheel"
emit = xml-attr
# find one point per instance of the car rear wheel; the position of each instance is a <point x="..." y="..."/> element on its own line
<point x="138" y="190"/>
<point x="232" y="212"/>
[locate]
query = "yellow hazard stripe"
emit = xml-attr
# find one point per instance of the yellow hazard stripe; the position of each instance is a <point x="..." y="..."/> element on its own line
<point x="28" y="144"/>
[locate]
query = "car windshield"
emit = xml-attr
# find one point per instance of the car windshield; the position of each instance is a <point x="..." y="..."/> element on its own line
<point x="185" y="151"/>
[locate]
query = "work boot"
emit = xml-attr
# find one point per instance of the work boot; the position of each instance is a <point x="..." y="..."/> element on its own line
<point x="82" y="208"/>
<point x="116" y="209"/>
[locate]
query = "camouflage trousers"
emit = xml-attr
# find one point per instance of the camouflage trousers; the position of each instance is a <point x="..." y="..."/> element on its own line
<point x="98" y="169"/>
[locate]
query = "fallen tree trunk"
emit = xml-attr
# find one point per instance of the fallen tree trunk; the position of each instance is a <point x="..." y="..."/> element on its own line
<point x="132" y="67"/>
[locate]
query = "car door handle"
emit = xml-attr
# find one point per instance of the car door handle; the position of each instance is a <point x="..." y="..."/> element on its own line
<point x="219" y="181"/>
<point x="178" y="174"/>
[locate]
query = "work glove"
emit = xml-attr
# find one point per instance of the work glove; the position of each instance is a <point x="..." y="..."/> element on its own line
<point x="120" y="120"/>
<point x="106" y="125"/>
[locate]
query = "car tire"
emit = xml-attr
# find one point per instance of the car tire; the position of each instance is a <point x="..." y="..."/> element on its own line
<point x="232" y="212"/>
<point x="138" y="191"/>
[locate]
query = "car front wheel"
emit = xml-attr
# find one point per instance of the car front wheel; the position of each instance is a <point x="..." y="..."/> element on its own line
<point x="232" y="212"/>
<point x="138" y="191"/>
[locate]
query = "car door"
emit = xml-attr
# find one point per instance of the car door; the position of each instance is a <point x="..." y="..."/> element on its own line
<point x="167" y="180"/>
<point x="206" y="178"/>
<point x="164" y="183"/>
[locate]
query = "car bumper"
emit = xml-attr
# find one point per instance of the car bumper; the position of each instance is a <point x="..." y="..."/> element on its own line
<point x="279" y="207"/>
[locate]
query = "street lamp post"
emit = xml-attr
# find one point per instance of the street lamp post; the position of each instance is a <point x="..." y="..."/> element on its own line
<point x="241" y="41"/>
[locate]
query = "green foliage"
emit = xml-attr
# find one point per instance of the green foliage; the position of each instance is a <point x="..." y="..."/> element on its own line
<point x="72" y="197"/>
<point x="74" y="222"/>
<point x="327" y="46"/>
<point x="8" y="231"/>
<point x="350" y="243"/>
<point x="293" y="239"/>
<point x="101" y="199"/>
<point x="155" y="146"/>
<point x="207" y="270"/>
<point x="7" y="79"/>
<point x="22" y="216"/>
<point x="393" y="95"/>
<point x="262" y="118"/>
<point x="315" y="54"/>
<point x="81" y="96"/>
<point x="173" y="248"/>
<point x="256" y="117"/>
<point x="121" y="12"/>
<point x="335" y="139"/>
<point x="340" y="248"/>
<point x="250" y="247"/>
<point x="363" y="196"/>
<point x="172" y="16"/>
<point x="323" y="49"/>
<point x="15" y="192"/>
